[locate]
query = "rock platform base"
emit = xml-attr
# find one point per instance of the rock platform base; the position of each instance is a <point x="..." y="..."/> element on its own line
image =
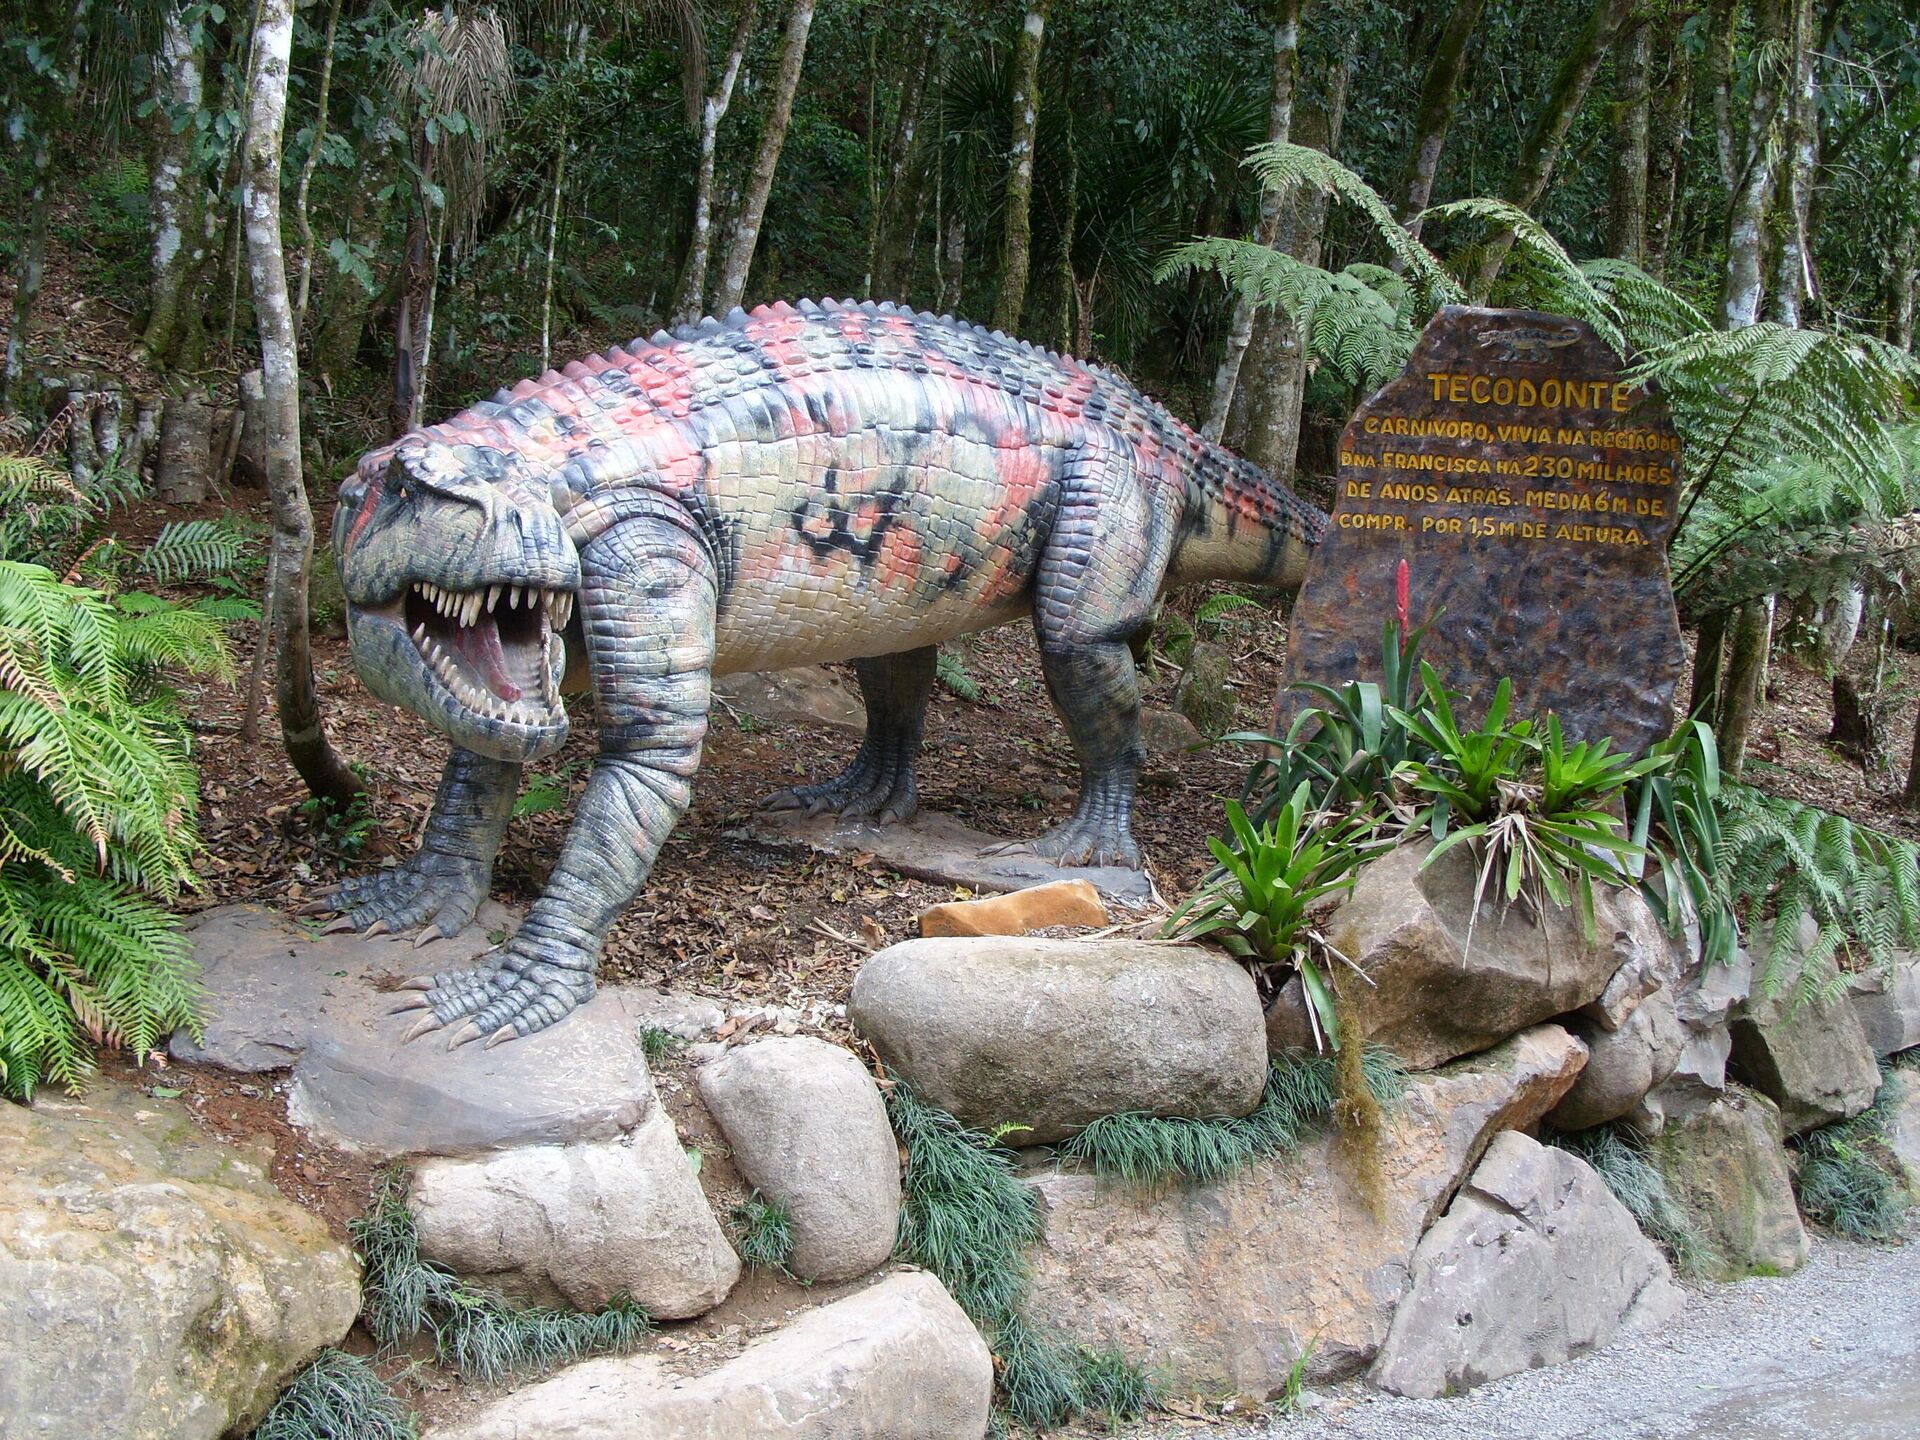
<point x="941" y="849"/>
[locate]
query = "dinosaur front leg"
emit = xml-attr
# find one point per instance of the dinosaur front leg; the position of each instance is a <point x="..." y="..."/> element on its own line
<point x="648" y="602"/>
<point x="880" y="781"/>
<point x="442" y="885"/>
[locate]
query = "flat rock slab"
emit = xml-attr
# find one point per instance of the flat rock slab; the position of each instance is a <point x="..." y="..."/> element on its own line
<point x="1220" y="1289"/>
<point x="809" y="696"/>
<point x="941" y="849"/>
<point x="279" y="997"/>
<point x="898" y="1361"/>
<point x="156" y="1285"/>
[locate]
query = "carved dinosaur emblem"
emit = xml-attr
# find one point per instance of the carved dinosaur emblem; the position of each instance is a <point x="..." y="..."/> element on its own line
<point x="1529" y="344"/>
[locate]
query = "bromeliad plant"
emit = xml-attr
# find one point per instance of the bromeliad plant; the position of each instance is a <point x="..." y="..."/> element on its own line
<point x="1536" y="811"/>
<point x="1274" y="878"/>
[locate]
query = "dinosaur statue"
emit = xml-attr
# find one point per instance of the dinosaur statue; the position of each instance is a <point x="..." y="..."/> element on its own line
<point x="796" y="485"/>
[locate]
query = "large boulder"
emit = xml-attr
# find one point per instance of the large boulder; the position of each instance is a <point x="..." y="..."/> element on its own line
<point x="1433" y="995"/>
<point x="1704" y="996"/>
<point x="1049" y="1035"/>
<point x="1535" y="1263"/>
<point x="1809" y="1056"/>
<point x="1623" y="1064"/>
<point x="1902" y="1127"/>
<point x="808" y="1128"/>
<point x="580" y="1224"/>
<point x="1726" y="1168"/>
<point x="1221" y="1288"/>
<point x="1887" y="1004"/>
<point x="157" y="1286"/>
<point x="898" y="1361"/>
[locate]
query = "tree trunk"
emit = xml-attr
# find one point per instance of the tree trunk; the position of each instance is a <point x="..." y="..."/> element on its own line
<point x="186" y="450"/>
<point x="1709" y="658"/>
<point x="1792" y="278"/>
<point x="689" y="303"/>
<point x="250" y="460"/>
<point x="300" y="725"/>
<point x="1264" y="421"/>
<point x="1906" y="258"/>
<point x="1669" y="129"/>
<point x="553" y="247"/>
<point x="1911" y="794"/>
<point x="1439" y="95"/>
<point x="413" y="315"/>
<point x="177" y="199"/>
<point x="1286" y="62"/>
<point x="309" y="166"/>
<point x="899" y="218"/>
<point x="1743" y="693"/>
<point x="753" y="208"/>
<point x="1542" y="148"/>
<point x="1627" y="217"/>
<point x="30" y="258"/>
<point x="1746" y="211"/>
<point x="1015" y="256"/>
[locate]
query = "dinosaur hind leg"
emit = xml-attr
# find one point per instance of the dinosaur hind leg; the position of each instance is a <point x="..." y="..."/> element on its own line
<point x="880" y="781"/>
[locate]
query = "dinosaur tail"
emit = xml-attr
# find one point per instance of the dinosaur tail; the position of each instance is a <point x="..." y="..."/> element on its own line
<point x="1242" y="524"/>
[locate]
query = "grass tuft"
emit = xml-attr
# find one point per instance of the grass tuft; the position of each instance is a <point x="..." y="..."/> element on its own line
<point x="1619" y="1157"/>
<point x="1849" y="1180"/>
<point x="482" y="1335"/>
<point x="659" y="1044"/>
<point x="1300" y="1095"/>
<point x="966" y="1216"/>
<point x="763" y="1233"/>
<point x="337" y="1397"/>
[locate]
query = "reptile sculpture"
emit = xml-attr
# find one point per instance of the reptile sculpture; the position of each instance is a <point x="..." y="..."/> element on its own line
<point x="800" y="484"/>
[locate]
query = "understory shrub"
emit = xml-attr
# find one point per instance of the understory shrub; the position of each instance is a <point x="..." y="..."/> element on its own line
<point x="477" y="1332"/>
<point x="338" y="1397"/>
<point x="98" y="792"/>
<point x="965" y="1216"/>
<point x="1848" y="1178"/>
<point x="1301" y="1094"/>
<point x="1618" y="1156"/>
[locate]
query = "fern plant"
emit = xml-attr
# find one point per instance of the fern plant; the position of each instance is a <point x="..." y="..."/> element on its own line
<point x="98" y="797"/>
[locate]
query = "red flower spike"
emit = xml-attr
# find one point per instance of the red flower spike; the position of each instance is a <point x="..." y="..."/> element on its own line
<point x="1401" y="595"/>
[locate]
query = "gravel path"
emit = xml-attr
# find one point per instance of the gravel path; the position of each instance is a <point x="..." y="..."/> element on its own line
<point x="1832" y="1352"/>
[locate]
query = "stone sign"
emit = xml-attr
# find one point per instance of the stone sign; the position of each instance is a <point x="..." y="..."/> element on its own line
<point x="1531" y="492"/>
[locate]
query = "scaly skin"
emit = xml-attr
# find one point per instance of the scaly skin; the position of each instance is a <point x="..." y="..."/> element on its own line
<point x="798" y="485"/>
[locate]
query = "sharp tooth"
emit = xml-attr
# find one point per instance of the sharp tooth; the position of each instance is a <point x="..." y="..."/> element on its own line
<point x="493" y="597"/>
<point x="470" y="609"/>
<point x="420" y="633"/>
<point x="519" y="597"/>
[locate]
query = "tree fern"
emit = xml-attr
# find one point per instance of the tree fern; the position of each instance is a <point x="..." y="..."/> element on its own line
<point x="1859" y="887"/>
<point x="185" y="549"/>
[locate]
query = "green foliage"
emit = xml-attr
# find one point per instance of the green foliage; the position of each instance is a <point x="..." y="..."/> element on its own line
<point x="190" y="549"/>
<point x="338" y="1397"/>
<point x="1848" y="1178"/>
<point x="952" y="673"/>
<point x="1272" y="877"/>
<point x="1536" y="811"/>
<point x="762" y="1232"/>
<point x="1619" y="1157"/>
<point x="660" y="1044"/>
<point x="1677" y="821"/>
<point x="965" y="1216"/>
<point x="477" y="1332"/>
<point x="1858" y="886"/>
<point x="1153" y="1150"/>
<point x="1213" y="611"/>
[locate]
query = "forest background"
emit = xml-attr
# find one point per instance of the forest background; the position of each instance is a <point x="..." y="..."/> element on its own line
<point x="248" y="241"/>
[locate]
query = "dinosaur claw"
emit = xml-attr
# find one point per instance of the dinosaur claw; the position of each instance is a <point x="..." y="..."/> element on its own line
<point x="500" y="1036"/>
<point x="417" y="982"/>
<point x="418" y="1002"/>
<point x="425" y="1025"/>
<point x="340" y="926"/>
<point x="317" y="907"/>
<point x="427" y="936"/>
<point x="465" y="1035"/>
<point x="379" y="927"/>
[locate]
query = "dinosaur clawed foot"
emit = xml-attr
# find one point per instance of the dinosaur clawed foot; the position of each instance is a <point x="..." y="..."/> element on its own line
<point x="1078" y="842"/>
<point x="432" y="893"/>
<point x="524" y="993"/>
<point x="884" y="793"/>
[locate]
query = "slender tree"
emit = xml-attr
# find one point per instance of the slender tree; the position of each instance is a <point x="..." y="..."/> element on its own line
<point x="1285" y="21"/>
<point x="1632" y="104"/>
<point x="1016" y="235"/>
<point x="178" y="201"/>
<point x="691" y="299"/>
<point x="1906" y="256"/>
<point x="766" y="161"/>
<point x="1668" y="131"/>
<point x="1792" y="282"/>
<point x="301" y="211"/>
<point x="1753" y="182"/>
<point x="300" y="724"/>
<point x="1439" y="96"/>
<point x="1541" y="150"/>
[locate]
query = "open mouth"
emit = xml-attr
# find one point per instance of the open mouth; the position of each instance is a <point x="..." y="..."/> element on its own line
<point x="492" y="647"/>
